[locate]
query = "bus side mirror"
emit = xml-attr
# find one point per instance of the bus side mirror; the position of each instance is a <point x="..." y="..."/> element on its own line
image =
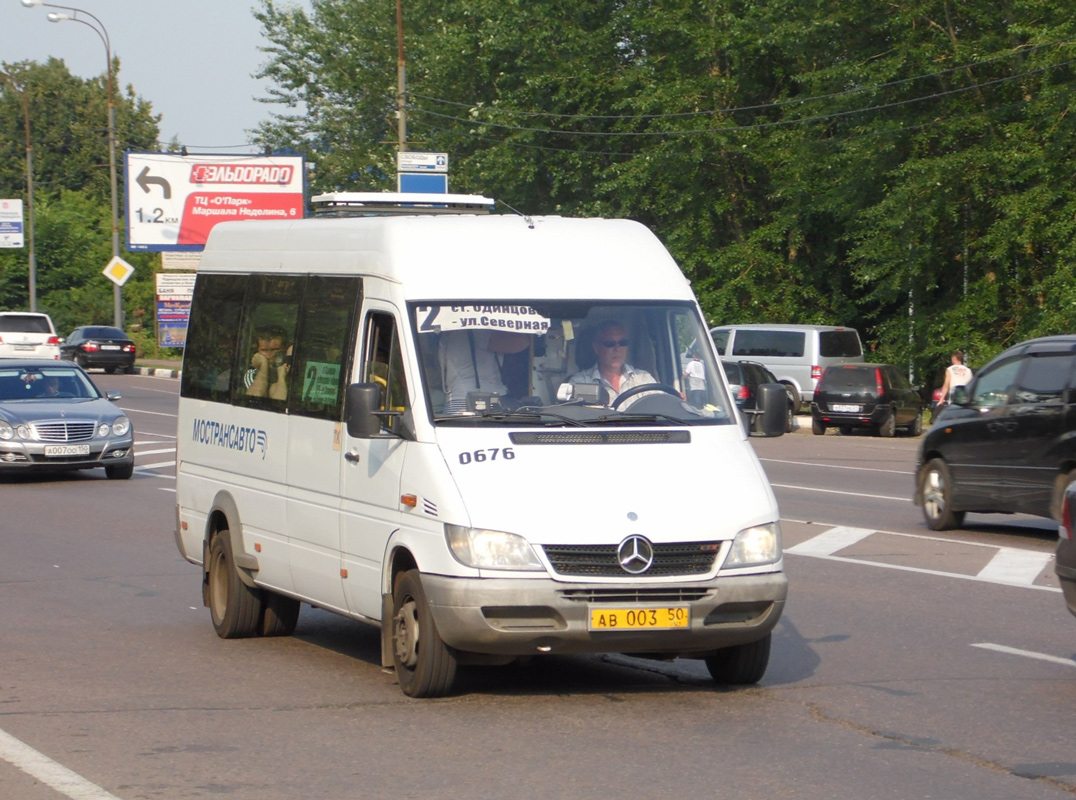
<point x="363" y="402"/>
<point x="773" y="404"/>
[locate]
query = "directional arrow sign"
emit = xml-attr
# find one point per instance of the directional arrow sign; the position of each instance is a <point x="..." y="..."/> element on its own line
<point x="118" y="271"/>
<point x="144" y="179"/>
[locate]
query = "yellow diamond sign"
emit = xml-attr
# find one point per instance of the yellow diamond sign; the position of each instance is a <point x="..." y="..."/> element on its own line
<point x="118" y="271"/>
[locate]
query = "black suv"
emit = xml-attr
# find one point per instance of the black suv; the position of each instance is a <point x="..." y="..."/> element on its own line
<point x="1007" y="441"/>
<point x="873" y="396"/>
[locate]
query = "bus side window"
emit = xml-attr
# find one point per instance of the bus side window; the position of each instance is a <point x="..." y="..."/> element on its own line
<point x="384" y="365"/>
<point x="270" y="317"/>
<point x="321" y="358"/>
<point x="209" y="352"/>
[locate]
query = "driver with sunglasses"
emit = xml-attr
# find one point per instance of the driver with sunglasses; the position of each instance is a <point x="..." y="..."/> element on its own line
<point x="612" y="371"/>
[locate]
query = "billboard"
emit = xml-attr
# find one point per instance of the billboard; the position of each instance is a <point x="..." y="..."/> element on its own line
<point x="173" y="201"/>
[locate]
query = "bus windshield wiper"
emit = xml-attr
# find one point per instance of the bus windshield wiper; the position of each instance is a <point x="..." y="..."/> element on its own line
<point x="634" y="419"/>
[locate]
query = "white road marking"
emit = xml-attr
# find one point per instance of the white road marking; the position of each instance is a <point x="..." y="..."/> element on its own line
<point x="38" y="765"/>
<point x="1000" y="648"/>
<point x="154" y="452"/>
<point x="140" y="467"/>
<point x="166" y="488"/>
<point x="1018" y="567"/>
<point x="837" y="466"/>
<point x="835" y="491"/>
<point x="828" y="543"/>
<point x="823" y="546"/>
<point x="154" y="413"/>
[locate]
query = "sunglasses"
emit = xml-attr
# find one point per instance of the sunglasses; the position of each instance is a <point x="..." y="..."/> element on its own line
<point x="609" y="343"/>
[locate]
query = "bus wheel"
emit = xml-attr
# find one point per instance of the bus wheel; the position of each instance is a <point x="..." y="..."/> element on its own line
<point x="279" y="615"/>
<point x="234" y="606"/>
<point x="742" y="664"/>
<point x="425" y="667"/>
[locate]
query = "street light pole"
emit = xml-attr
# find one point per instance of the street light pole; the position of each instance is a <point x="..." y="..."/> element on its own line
<point x="24" y="93"/>
<point x="102" y="32"/>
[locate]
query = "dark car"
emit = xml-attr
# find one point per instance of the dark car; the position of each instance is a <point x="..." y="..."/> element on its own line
<point x="99" y="346"/>
<point x="1007" y="441"/>
<point x="744" y="379"/>
<point x="1065" y="563"/>
<point x="873" y="396"/>
<point x="53" y="417"/>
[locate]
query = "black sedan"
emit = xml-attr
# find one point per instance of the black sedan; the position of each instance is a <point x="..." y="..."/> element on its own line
<point x="1065" y="565"/>
<point x="53" y="417"/>
<point x="99" y="346"/>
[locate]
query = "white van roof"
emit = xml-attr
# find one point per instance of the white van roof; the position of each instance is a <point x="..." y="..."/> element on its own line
<point x="468" y="257"/>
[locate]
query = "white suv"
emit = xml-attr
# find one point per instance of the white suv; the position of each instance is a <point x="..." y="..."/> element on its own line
<point x="27" y="334"/>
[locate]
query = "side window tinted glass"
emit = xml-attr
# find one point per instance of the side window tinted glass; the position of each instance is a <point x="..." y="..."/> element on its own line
<point x="384" y="364"/>
<point x="991" y="388"/>
<point x="1044" y="380"/>
<point x="839" y="344"/>
<point x="780" y="344"/>
<point x="321" y="360"/>
<point x="721" y="339"/>
<point x="209" y="354"/>
<point x="268" y="341"/>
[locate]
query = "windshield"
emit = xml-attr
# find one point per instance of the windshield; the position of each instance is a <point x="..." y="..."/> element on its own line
<point x="46" y="383"/>
<point x="561" y="363"/>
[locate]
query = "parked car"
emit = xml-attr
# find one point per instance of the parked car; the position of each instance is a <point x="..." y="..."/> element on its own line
<point x="796" y="354"/>
<point x="99" y="346"/>
<point x="1065" y="563"/>
<point x="1006" y="442"/>
<point x="744" y="379"/>
<point x="873" y="396"/>
<point x="53" y="417"/>
<point x="28" y="334"/>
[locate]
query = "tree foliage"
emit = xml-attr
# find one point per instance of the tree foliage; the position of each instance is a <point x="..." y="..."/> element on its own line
<point x="906" y="169"/>
<point x="72" y="189"/>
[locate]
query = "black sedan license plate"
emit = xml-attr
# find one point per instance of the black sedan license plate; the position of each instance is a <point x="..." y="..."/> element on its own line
<point x="633" y="619"/>
<point x="67" y="450"/>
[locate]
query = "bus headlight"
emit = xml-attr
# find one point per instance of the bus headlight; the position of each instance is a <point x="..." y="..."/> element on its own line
<point x="755" y="546"/>
<point x="482" y="549"/>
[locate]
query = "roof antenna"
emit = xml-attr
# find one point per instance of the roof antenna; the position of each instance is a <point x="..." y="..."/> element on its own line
<point x="526" y="218"/>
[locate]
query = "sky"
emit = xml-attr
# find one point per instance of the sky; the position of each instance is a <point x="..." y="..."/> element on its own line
<point x="193" y="60"/>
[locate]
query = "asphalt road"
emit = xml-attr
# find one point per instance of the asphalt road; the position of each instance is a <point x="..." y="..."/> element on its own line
<point x="907" y="664"/>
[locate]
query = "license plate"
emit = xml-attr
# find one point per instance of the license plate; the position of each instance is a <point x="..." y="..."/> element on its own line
<point x="634" y="619"/>
<point x="110" y="347"/>
<point x="67" y="450"/>
<point x="845" y="407"/>
<point x="25" y="347"/>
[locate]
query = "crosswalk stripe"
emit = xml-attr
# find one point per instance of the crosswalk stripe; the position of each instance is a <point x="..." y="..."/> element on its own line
<point x="1018" y="567"/>
<point x="830" y="542"/>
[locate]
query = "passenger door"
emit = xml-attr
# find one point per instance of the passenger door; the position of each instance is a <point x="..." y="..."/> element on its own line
<point x="319" y="367"/>
<point x="1034" y="424"/>
<point x="371" y="469"/>
<point x="976" y="437"/>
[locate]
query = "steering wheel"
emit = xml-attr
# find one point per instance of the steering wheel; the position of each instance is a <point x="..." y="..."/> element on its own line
<point x="646" y="387"/>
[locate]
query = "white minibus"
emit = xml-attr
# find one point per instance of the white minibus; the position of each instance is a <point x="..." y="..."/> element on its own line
<point x="472" y="431"/>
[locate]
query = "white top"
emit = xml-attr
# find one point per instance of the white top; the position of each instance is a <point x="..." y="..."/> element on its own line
<point x="959" y="375"/>
<point x="629" y="379"/>
<point x="696" y="375"/>
<point x="463" y="373"/>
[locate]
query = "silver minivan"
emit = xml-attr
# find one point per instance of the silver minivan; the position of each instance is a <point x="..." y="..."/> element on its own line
<point x="796" y="354"/>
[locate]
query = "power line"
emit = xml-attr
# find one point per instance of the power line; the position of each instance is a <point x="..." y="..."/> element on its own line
<point x="751" y="127"/>
<point x="740" y="109"/>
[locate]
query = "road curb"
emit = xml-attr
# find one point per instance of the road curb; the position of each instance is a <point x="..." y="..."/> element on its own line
<point x="157" y="372"/>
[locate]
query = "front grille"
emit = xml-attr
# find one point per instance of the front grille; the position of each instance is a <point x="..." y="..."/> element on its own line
<point x="597" y="437"/>
<point x="600" y="560"/>
<point x="673" y="595"/>
<point x="64" y="431"/>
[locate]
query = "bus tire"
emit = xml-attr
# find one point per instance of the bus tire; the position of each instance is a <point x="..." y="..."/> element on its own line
<point x="425" y="667"/>
<point x="234" y="607"/>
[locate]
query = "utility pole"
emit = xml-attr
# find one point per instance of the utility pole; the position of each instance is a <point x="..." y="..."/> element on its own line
<point x="401" y="81"/>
